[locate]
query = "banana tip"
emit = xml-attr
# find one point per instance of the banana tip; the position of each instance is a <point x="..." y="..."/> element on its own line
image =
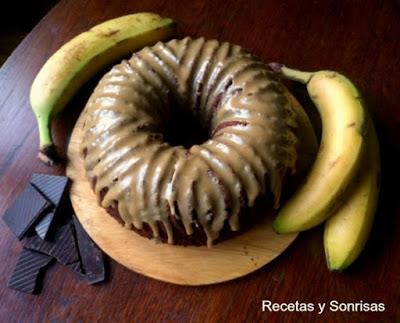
<point x="276" y="227"/>
<point x="50" y="155"/>
<point x="276" y="67"/>
<point x="334" y="269"/>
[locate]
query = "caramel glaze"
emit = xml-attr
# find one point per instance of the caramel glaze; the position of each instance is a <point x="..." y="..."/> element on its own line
<point x="235" y="96"/>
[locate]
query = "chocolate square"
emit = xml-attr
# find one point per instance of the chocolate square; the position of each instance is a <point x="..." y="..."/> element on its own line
<point x="91" y="256"/>
<point x="43" y="226"/>
<point x="62" y="247"/>
<point x="51" y="186"/>
<point x="29" y="266"/>
<point x="25" y="211"/>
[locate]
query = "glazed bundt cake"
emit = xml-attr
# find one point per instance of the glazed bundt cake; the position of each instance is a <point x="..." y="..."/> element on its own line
<point x="168" y="191"/>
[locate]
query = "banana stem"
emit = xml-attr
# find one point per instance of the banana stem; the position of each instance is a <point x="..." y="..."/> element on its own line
<point x="48" y="152"/>
<point x="45" y="138"/>
<point x="291" y="74"/>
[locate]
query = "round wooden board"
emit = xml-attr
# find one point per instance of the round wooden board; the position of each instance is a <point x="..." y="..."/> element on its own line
<point x="226" y="260"/>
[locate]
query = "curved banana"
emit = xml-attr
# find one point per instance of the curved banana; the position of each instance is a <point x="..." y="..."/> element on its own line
<point x="347" y="230"/>
<point x="80" y="58"/>
<point x="344" y="126"/>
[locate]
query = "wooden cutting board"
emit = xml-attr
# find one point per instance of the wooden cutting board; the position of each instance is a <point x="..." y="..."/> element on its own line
<point x="188" y="265"/>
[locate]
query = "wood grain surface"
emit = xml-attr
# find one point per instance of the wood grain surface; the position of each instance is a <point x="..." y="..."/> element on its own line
<point x="358" y="38"/>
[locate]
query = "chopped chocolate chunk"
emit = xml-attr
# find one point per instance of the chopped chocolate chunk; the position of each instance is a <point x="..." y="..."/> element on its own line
<point x="42" y="228"/>
<point x="62" y="247"/>
<point x="26" y="274"/>
<point x="51" y="186"/>
<point x="25" y="211"/>
<point x="91" y="256"/>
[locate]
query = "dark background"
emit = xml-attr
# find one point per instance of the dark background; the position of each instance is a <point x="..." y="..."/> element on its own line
<point x="358" y="38"/>
<point x="17" y="18"/>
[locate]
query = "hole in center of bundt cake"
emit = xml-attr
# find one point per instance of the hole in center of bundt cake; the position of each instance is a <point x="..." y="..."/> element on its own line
<point x="185" y="129"/>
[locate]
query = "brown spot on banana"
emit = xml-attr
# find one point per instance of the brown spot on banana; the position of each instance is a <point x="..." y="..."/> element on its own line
<point x="333" y="163"/>
<point x="110" y="33"/>
<point x="331" y="75"/>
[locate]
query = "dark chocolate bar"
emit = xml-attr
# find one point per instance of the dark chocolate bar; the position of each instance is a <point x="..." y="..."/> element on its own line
<point x="27" y="271"/>
<point x="25" y="211"/>
<point x="42" y="228"/>
<point x="62" y="247"/>
<point x="51" y="186"/>
<point x="91" y="256"/>
<point x="54" y="189"/>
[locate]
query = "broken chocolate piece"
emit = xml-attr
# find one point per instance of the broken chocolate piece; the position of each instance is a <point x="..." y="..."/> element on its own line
<point x="62" y="247"/>
<point x="91" y="256"/>
<point x="42" y="228"/>
<point x="54" y="189"/>
<point x="27" y="271"/>
<point x="51" y="186"/>
<point x="25" y="211"/>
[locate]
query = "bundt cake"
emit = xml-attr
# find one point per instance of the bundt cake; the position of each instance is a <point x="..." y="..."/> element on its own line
<point x="168" y="191"/>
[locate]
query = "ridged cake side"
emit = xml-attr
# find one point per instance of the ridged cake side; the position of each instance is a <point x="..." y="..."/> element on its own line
<point x="234" y="95"/>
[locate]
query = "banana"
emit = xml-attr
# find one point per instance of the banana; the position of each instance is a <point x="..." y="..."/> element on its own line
<point x="344" y="126"/>
<point x="347" y="230"/>
<point x="80" y="58"/>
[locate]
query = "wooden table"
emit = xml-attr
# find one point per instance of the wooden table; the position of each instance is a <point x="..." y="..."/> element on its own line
<point x="360" y="38"/>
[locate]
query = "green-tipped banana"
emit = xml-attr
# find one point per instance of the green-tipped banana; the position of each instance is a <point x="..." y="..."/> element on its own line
<point x="347" y="230"/>
<point x="79" y="59"/>
<point x="343" y="130"/>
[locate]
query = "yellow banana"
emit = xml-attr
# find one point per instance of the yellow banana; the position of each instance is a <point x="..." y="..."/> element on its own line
<point x="80" y="58"/>
<point x="347" y="230"/>
<point x="344" y="126"/>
